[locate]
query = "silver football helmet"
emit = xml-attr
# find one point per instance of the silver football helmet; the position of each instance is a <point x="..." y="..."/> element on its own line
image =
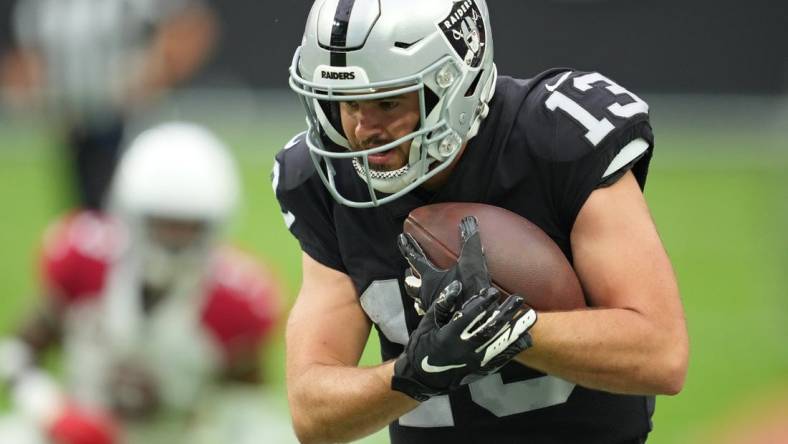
<point x="356" y="50"/>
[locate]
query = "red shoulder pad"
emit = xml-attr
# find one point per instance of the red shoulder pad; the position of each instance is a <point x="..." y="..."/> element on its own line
<point x="76" y="253"/>
<point x="243" y="305"/>
<point x="81" y="426"/>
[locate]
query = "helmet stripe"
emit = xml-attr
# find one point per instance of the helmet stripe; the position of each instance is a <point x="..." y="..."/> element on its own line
<point x="338" y="58"/>
<point x="339" y="32"/>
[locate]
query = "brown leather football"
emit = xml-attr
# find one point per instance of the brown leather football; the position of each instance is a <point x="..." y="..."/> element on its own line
<point x="521" y="258"/>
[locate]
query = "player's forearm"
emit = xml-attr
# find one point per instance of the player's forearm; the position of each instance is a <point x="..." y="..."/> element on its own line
<point x="340" y="404"/>
<point x="614" y="350"/>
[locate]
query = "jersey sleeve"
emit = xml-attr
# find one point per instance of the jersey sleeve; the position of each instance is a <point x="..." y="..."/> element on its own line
<point x="306" y="206"/>
<point x="588" y="131"/>
<point x="243" y="307"/>
<point x="75" y="255"/>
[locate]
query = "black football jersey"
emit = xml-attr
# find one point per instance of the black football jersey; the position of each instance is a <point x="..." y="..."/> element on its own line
<point x="546" y="144"/>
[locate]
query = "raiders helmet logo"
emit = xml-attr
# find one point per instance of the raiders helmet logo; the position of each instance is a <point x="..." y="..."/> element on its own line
<point x="331" y="75"/>
<point x="464" y="29"/>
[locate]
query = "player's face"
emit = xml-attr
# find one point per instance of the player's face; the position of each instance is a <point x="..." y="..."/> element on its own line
<point x="174" y="234"/>
<point x="174" y="251"/>
<point x="373" y="123"/>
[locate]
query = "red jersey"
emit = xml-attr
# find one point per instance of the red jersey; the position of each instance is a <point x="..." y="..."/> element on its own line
<point x="240" y="307"/>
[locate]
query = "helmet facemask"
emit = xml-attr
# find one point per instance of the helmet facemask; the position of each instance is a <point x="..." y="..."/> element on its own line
<point x="174" y="252"/>
<point x="432" y="141"/>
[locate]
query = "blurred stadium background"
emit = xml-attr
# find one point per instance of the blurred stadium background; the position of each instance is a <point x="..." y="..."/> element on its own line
<point x="716" y="76"/>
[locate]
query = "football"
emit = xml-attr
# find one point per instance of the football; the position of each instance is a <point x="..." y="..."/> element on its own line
<point x="521" y="258"/>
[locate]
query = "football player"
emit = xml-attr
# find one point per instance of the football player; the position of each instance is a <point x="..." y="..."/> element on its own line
<point x="93" y="64"/>
<point x="404" y="108"/>
<point x="151" y="308"/>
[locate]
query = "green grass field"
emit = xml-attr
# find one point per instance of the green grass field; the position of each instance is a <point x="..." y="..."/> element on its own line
<point x="720" y="204"/>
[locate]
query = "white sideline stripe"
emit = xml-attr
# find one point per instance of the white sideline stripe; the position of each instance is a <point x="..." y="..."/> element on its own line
<point x="627" y="154"/>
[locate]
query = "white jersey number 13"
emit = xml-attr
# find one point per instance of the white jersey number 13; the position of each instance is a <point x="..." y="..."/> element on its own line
<point x="383" y="304"/>
<point x="597" y="129"/>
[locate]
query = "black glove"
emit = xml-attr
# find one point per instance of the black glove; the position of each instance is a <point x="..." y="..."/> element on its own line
<point x="424" y="281"/>
<point x="450" y="348"/>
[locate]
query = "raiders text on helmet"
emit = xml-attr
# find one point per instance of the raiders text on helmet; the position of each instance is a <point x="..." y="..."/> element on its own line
<point x="338" y="75"/>
<point x="356" y="50"/>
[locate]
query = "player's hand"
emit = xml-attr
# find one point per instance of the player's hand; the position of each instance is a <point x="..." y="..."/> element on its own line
<point x="424" y="280"/>
<point x="453" y="346"/>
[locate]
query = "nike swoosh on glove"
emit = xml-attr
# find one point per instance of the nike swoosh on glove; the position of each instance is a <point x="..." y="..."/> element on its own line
<point x="453" y="346"/>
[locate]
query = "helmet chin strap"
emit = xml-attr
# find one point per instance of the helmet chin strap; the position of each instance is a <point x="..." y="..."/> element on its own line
<point x="484" y="107"/>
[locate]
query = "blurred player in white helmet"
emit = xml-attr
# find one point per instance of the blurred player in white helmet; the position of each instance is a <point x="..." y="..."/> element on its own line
<point x="92" y="64"/>
<point x="149" y="306"/>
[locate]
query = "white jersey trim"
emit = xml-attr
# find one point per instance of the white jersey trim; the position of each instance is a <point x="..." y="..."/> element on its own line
<point x="627" y="154"/>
